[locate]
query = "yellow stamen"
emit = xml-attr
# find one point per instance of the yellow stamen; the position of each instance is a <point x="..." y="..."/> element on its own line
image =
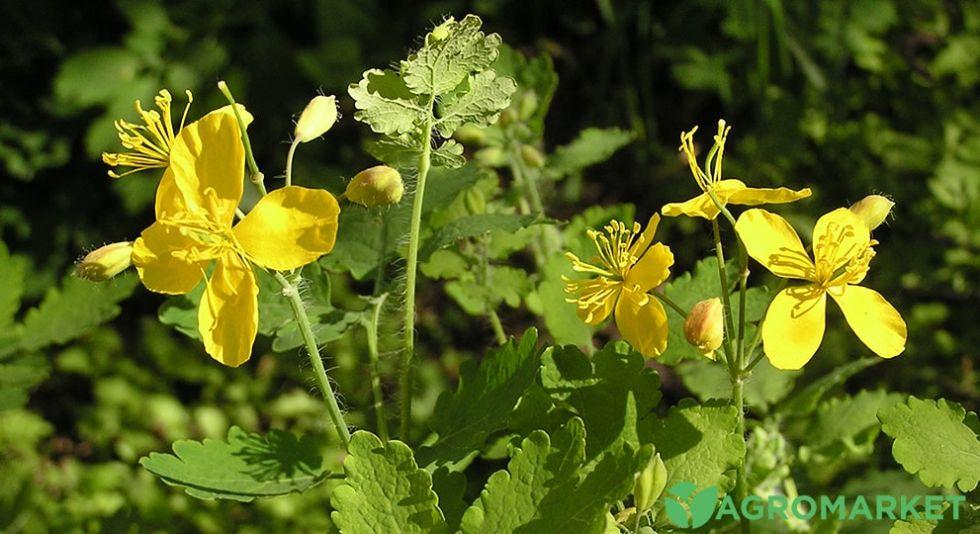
<point x="712" y="173"/>
<point x="148" y="143"/>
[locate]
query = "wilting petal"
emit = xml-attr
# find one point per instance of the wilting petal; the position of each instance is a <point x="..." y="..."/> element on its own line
<point x="289" y="227"/>
<point x="876" y="322"/>
<point x="794" y="325"/>
<point x="229" y="313"/>
<point x="837" y="237"/>
<point x="652" y="269"/>
<point x="751" y="196"/>
<point x="158" y="268"/>
<point x="208" y="156"/>
<point x="642" y="321"/>
<point x="772" y="242"/>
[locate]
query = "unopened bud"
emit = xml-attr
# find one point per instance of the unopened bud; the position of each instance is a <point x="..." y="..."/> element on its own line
<point x="873" y="210"/>
<point x="378" y="186"/>
<point x="507" y="116"/>
<point x="470" y="134"/>
<point x="532" y="157"/>
<point x="649" y="484"/>
<point x="704" y="327"/>
<point x="528" y="105"/>
<point x="318" y="117"/>
<point x="493" y="156"/>
<point x="105" y="262"/>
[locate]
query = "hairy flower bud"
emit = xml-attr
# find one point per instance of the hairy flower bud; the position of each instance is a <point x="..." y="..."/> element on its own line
<point x="318" y="117"/>
<point x="649" y="484"/>
<point x="704" y="327"/>
<point x="873" y="210"/>
<point x="532" y="157"/>
<point x="105" y="262"/>
<point x="378" y="186"/>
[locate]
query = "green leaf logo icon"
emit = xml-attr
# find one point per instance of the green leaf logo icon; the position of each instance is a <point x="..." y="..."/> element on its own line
<point x="688" y="508"/>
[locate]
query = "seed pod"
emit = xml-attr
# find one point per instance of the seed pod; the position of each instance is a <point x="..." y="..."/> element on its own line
<point x="317" y="119"/>
<point x="378" y="186"/>
<point x="105" y="262"/>
<point x="873" y="210"/>
<point x="649" y="484"/>
<point x="532" y="157"/>
<point x="704" y="327"/>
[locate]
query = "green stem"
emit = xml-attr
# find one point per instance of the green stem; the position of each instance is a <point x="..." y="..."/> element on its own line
<point x="681" y="311"/>
<point x="498" y="327"/>
<point x="408" y="353"/>
<point x="725" y="296"/>
<point x="537" y="248"/>
<point x="289" y="162"/>
<point x="371" y="326"/>
<point x="752" y="364"/>
<point x="741" y="490"/>
<point x="549" y="241"/>
<point x="303" y="322"/>
<point x="256" y="176"/>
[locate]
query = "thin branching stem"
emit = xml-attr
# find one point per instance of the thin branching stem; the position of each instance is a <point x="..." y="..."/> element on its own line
<point x="289" y="162"/>
<point x="371" y="327"/>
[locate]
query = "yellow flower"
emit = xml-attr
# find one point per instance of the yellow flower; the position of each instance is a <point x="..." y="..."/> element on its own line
<point x="195" y="209"/>
<point x="626" y="268"/>
<point x="727" y="191"/>
<point x="842" y="250"/>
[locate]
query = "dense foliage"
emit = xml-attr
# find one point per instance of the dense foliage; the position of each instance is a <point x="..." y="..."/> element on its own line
<point x="105" y="389"/>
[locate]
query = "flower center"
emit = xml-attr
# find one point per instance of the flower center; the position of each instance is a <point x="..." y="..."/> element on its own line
<point x="616" y="248"/>
<point x="711" y="174"/>
<point x="212" y="239"/>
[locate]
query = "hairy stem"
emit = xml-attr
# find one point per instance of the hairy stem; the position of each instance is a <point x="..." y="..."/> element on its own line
<point x="408" y="354"/>
<point x="725" y="296"/>
<point x="303" y="322"/>
<point x="371" y="326"/>
<point x="289" y="162"/>
<point x="668" y="301"/>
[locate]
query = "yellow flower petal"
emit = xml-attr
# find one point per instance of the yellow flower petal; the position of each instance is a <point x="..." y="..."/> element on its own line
<point x="794" y="325"/>
<point x="702" y="205"/>
<point x="169" y="200"/>
<point x="594" y="298"/>
<point x="228" y="317"/>
<point x="652" y="269"/>
<point x="158" y="268"/>
<point x="772" y="242"/>
<point x="289" y="228"/>
<point x="838" y="237"/>
<point x="876" y="322"/>
<point x="644" y="240"/>
<point x="208" y="164"/>
<point x="642" y="322"/>
<point x="751" y="196"/>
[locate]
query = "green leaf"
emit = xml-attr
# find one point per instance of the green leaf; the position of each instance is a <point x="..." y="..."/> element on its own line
<point x="849" y="419"/>
<point x="763" y="388"/>
<point x="546" y="488"/>
<point x="327" y="327"/>
<point x="807" y="399"/>
<point x="611" y="392"/>
<point x="473" y="226"/>
<point x="384" y="103"/>
<point x="592" y="146"/>
<point x="242" y="467"/>
<point x="479" y="103"/>
<point x="560" y="317"/>
<point x="19" y="374"/>
<point x="385" y="491"/>
<point x="12" y="269"/>
<point x="95" y="76"/>
<point x="535" y="74"/>
<point x="74" y="310"/>
<point x="699" y="443"/>
<point x="966" y="522"/>
<point x="452" y="51"/>
<point x="484" y="400"/>
<point x="933" y="442"/>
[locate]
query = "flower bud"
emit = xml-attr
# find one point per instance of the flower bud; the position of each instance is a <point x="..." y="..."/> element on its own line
<point x="493" y="156"/>
<point x="704" y="327"/>
<point x="532" y="157"/>
<point x="470" y="134"/>
<point x="105" y="262"/>
<point x="378" y="186"/>
<point x="873" y="210"/>
<point x="649" y="484"/>
<point x="318" y="117"/>
<point x="507" y="116"/>
<point x="528" y="105"/>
